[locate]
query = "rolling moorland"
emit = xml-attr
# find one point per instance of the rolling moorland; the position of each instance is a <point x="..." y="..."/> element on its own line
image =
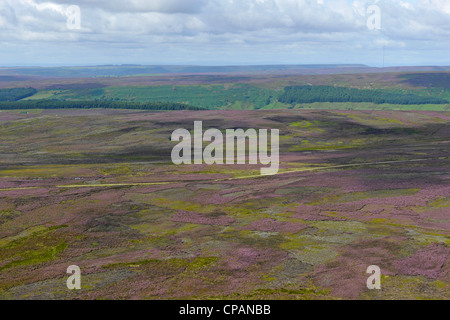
<point x="238" y="89"/>
<point x="360" y="183"/>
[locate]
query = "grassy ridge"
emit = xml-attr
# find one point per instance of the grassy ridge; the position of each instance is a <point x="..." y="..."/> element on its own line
<point x="236" y="96"/>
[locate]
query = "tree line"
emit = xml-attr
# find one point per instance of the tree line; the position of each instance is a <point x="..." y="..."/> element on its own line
<point x="55" y="104"/>
<point x="310" y="94"/>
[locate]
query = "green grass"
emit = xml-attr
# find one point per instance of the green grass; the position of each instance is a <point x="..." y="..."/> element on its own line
<point x="47" y="94"/>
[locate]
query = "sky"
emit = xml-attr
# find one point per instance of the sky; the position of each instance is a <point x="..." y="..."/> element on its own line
<point x="224" y="32"/>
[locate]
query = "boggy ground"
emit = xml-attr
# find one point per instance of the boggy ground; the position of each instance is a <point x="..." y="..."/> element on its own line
<point x="96" y="188"/>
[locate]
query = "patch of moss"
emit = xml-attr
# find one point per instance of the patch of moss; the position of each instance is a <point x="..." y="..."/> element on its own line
<point x="356" y="196"/>
<point x="151" y="263"/>
<point x="202" y="263"/>
<point x="440" y="203"/>
<point x="408" y="288"/>
<point x="34" y="246"/>
<point x="122" y="169"/>
<point x="31" y="257"/>
<point x="307" y="293"/>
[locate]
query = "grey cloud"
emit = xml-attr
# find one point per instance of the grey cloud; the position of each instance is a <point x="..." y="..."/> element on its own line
<point x="425" y="18"/>
<point x="308" y="25"/>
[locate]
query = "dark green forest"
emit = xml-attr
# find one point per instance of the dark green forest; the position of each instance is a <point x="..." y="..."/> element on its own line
<point x="208" y="97"/>
<point x="53" y="104"/>
<point x="310" y="94"/>
<point x="16" y="94"/>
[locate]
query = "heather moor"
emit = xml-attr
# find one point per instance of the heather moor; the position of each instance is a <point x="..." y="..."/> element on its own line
<point x="224" y="154"/>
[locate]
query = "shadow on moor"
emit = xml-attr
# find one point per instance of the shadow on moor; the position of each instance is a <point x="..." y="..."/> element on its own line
<point x="97" y="189"/>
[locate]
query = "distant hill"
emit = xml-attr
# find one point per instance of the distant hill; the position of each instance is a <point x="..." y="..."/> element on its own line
<point x="133" y="70"/>
<point x="21" y="73"/>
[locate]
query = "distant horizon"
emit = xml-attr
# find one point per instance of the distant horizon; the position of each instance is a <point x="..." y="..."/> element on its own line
<point x="90" y="65"/>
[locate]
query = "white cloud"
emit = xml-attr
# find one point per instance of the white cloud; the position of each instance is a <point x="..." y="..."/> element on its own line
<point x="314" y="25"/>
<point x="165" y="6"/>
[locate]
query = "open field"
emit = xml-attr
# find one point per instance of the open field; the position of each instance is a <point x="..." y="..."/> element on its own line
<point x="97" y="188"/>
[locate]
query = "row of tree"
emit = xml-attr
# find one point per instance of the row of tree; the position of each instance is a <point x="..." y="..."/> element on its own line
<point x="310" y="94"/>
<point x="54" y="104"/>
<point x="16" y="94"/>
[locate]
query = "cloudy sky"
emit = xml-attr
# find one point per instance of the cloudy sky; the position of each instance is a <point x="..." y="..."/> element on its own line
<point x="224" y="32"/>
